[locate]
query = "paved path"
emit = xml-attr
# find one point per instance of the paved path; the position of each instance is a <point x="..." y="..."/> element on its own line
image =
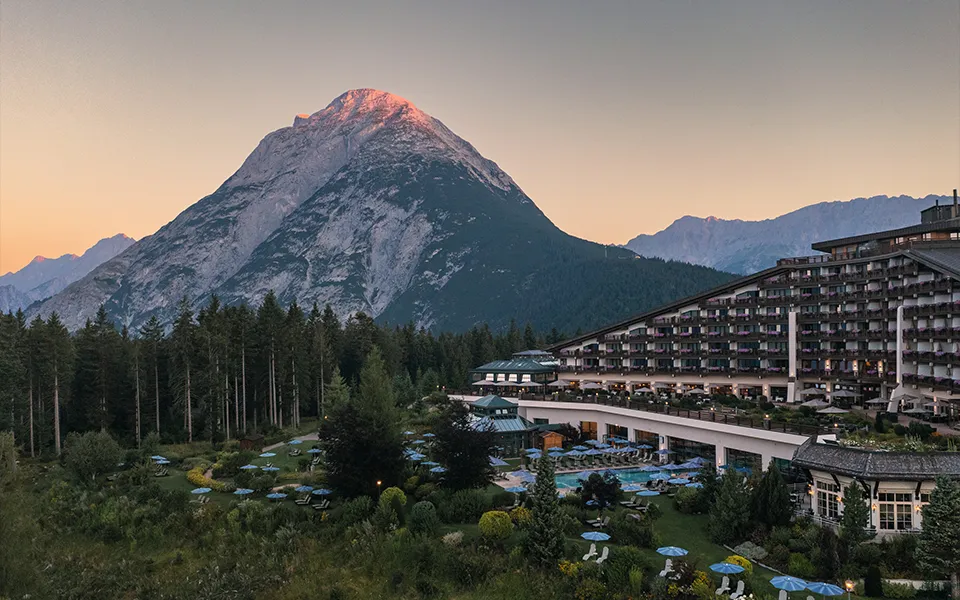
<point x="310" y="437"/>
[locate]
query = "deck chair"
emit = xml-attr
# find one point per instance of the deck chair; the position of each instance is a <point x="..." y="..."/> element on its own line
<point x="304" y="499"/>
<point x="591" y="553"/>
<point x="667" y="568"/>
<point x="631" y="503"/>
<point x="724" y="586"/>
<point x="782" y="596"/>
<point x="739" y="591"/>
<point x="605" y="555"/>
<point x="602" y="524"/>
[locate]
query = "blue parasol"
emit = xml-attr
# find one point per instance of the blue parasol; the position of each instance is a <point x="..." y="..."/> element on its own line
<point x="438" y="470"/>
<point x="242" y="492"/>
<point x="295" y="442"/>
<point x="648" y="493"/>
<point x="314" y="451"/>
<point x="304" y="488"/>
<point x="276" y="496"/>
<point x="788" y="583"/>
<point x="695" y="484"/>
<point x="270" y="469"/>
<point x="429" y="435"/>
<point x="678" y="481"/>
<point x="671" y="551"/>
<point x="595" y="536"/>
<point x="203" y="490"/>
<point x="249" y="467"/>
<point x="496" y="462"/>
<point x="268" y="455"/>
<point x="321" y="492"/>
<point x="825" y="589"/>
<point x="517" y="489"/>
<point x="726" y="568"/>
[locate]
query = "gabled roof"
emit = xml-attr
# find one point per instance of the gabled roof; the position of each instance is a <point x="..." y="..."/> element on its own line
<point x="503" y="423"/>
<point x="514" y="365"/>
<point x="493" y="401"/>
<point x="940" y="257"/>
<point x="540" y="353"/>
<point x="874" y="465"/>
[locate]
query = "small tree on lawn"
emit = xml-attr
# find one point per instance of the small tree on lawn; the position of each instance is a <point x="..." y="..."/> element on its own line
<point x="938" y="550"/>
<point x="91" y="454"/>
<point x="545" y="538"/>
<point x="361" y="438"/>
<point x="463" y="448"/>
<point x="855" y="520"/>
<point x="730" y="516"/>
<point x="771" y="499"/>
<point x="707" y="477"/>
<point x="604" y="489"/>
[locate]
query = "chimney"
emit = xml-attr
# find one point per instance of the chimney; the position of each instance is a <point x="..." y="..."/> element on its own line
<point x="955" y="208"/>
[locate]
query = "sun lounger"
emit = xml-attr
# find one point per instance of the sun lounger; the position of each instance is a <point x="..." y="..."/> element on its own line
<point x="605" y="555"/>
<point x="304" y="499"/>
<point x="667" y="568"/>
<point x="724" y="586"/>
<point x="601" y="524"/>
<point x="591" y="553"/>
<point x="739" y="591"/>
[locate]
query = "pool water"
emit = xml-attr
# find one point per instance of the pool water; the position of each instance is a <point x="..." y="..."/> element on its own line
<point x="569" y="481"/>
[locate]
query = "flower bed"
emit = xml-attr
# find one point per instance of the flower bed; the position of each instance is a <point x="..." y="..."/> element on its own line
<point x="197" y="478"/>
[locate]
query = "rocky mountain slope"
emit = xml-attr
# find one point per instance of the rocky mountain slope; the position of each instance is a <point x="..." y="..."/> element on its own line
<point x="749" y="246"/>
<point x="44" y="277"/>
<point x="372" y="205"/>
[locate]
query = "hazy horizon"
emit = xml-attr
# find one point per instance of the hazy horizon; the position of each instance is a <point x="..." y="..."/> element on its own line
<point x="615" y="119"/>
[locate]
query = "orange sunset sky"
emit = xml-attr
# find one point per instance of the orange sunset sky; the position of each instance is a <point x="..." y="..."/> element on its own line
<point x="615" y="117"/>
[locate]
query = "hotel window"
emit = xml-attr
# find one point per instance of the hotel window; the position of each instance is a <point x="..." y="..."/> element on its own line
<point x="896" y="511"/>
<point x="828" y="503"/>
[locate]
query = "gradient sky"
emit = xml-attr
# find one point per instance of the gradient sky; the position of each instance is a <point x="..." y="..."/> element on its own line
<point x="615" y="117"/>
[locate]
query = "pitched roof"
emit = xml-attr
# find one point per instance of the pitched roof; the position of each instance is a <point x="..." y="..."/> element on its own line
<point x="540" y="353"/>
<point x="493" y="401"/>
<point x="503" y="423"/>
<point x="944" y="258"/>
<point x="514" y="365"/>
<point x="876" y="465"/>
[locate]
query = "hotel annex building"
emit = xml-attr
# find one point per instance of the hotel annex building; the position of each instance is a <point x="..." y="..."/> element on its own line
<point x="877" y="315"/>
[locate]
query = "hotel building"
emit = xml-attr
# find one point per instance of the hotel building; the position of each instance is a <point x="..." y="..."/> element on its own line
<point x="876" y="315"/>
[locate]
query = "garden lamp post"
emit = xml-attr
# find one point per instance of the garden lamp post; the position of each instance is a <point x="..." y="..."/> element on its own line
<point x="848" y="585"/>
<point x="378" y="487"/>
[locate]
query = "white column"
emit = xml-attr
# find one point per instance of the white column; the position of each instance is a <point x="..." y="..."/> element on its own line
<point x="899" y="345"/>
<point x="664" y="445"/>
<point x="791" y="355"/>
<point x="721" y="452"/>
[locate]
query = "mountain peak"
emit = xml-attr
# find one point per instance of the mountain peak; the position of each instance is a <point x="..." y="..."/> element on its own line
<point x="362" y="102"/>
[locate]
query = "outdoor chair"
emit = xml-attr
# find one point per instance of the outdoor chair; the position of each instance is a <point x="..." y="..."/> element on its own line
<point x="667" y="568"/>
<point x="602" y="524"/>
<point x="629" y="503"/>
<point x="724" y="586"/>
<point x="605" y="555"/>
<point x="739" y="591"/>
<point x="782" y="596"/>
<point x="591" y="553"/>
<point x="303" y="500"/>
<point x="295" y="452"/>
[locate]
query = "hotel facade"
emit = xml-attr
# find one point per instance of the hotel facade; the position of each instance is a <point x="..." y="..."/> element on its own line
<point x="876" y="315"/>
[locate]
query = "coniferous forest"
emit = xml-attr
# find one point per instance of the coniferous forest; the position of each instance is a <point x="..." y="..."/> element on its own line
<point x="217" y="373"/>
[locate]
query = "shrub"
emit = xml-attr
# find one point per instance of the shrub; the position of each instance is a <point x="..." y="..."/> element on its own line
<point x="687" y="500"/>
<point x="423" y="491"/>
<point x="464" y="506"/>
<point x="495" y="525"/>
<point x="865" y="555"/>
<point x="391" y="493"/>
<point x="898" y="590"/>
<point x="91" y="454"/>
<point x="453" y="539"/>
<point x="778" y="557"/>
<point x="411" y="484"/>
<point x="629" y="531"/>
<point x="620" y="566"/>
<point x="197" y="478"/>
<point x="521" y="517"/>
<point x="750" y="551"/>
<point x="591" y="589"/>
<point x="780" y="536"/>
<point x="423" y="518"/>
<point x="800" y="566"/>
<point x="501" y="499"/>
<point x="353" y="511"/>
<point x="872" y="583"/>
<point x="743" y="562"/>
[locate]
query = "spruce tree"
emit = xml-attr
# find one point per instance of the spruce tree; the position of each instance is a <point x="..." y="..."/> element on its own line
<point x="855" y="519"/>
<point x="938" y="550"/>
<point x="336" y="393"/>
<point x="545" y="535"/>
<point x="771" y="499"/>
<point x="463" y="448"/>
<point x="730" y="515"/>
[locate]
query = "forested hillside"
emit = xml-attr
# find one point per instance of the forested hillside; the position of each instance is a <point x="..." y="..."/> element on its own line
<point x="222" y="371"/>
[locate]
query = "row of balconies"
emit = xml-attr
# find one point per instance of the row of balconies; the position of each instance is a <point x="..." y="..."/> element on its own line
<point x="797" y="279"/>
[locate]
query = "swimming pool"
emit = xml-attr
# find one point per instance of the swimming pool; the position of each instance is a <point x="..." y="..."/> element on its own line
<point x="569" y="481"/>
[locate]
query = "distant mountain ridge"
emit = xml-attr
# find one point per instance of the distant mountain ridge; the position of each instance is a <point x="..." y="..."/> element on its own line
<point x="372" y="205"/>
<point x="44" y="277"/>
<point x="745" y="247"/>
